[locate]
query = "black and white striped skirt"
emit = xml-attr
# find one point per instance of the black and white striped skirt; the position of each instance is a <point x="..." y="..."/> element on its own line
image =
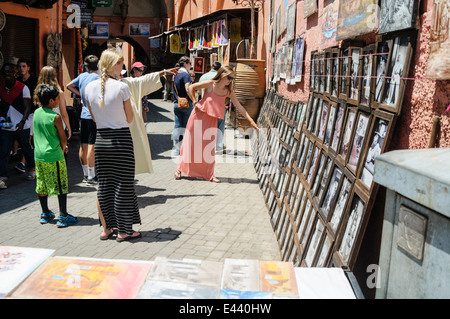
<point x="114" y="162"/>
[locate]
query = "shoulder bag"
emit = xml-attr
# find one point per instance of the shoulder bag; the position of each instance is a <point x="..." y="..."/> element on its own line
<point x="183" y="102"/>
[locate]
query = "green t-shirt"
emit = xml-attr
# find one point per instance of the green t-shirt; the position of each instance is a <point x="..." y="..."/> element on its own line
<point x="47" y="146"/>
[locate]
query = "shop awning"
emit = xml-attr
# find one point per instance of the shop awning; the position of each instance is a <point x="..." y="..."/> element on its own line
<point x="214" y="16"/>
<point x="201" y="20"/>
<point x="163" y="34"/>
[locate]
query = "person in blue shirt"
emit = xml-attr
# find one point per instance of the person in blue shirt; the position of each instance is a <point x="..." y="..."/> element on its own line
<point x="182" y="82"/>
<point x="88" y="128"/>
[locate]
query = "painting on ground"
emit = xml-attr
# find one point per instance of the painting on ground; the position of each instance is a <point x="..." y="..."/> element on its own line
<point x="84" y="278"/>
<point x="16" y="263"/>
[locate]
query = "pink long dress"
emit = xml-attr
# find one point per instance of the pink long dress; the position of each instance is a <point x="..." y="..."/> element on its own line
<point x="197" y="154"/>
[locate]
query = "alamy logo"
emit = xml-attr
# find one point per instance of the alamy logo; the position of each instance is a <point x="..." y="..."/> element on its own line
<point x="74" y="20"/>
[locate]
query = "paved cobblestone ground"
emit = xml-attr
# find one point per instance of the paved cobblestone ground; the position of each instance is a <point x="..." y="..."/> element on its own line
<point x="187" y="218"/>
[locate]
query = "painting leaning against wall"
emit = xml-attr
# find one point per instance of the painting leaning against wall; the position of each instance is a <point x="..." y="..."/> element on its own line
<point x="438" y="65"/>
<point x="356" y="17"/>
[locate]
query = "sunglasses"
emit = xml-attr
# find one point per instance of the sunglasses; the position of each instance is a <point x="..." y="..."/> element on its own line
<point x="231" y="78"/>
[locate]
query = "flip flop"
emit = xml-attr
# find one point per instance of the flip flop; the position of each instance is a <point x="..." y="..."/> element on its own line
<point x="107" y="237"/>
<point x="215" y="180"/>
<point x="177" y="175"/>
<point x="128" y="238"/>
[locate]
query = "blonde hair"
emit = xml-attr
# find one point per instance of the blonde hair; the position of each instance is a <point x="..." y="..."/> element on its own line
<point x="46" y="76"/>
<point x="223" y="72"/>
<point x="108" y="60"/>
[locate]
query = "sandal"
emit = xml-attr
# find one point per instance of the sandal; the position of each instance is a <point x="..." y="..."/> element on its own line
<point x="177" y="175"/>
<point x="128" y="238"/>
<point x="214" y="180"/>
<point x="108" y="236"/>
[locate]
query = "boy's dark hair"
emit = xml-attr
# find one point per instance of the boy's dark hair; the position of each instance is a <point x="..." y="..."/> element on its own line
<point x="91" y="62"/>
<point x="216" y="66"/>
<point x="47" y="92"/>
<point x="28" y="62"/>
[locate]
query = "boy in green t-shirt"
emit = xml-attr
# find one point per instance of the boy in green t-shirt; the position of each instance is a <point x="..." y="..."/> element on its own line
<point x="50" y="145"/>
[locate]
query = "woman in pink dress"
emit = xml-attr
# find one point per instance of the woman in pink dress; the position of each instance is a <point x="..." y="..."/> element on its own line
<point x="197" y="154"/>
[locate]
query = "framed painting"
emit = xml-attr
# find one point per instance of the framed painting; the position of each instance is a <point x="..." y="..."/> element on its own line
<point x="301" y="115"/>
<point x="324" y="250"/>
<point x="341" y="108"/>
<point x="321" y="72"/>
<point x="329" y="24"/>
<point x="354" y="75"/>
<point x="313" y="246"/>
<point x="322" y="160"/>
<point x="304" y="161"/>
<point x="313" y="166"/>
<point x="323" y="120"/>
<point x="359" y="137"/>
<point x="199" y="65"/>
<point x="359" y="17"/>
<point x="344" y="192"/>
<point x="139" y="29"/>
<point x="347" y="133"/>
<point x="330" y="124"/>
<point x="312" y="113"/>
<point x="299" y="52"/>
<point x="327" y="204"/>
<point x="381" y="61"/>
<point x="335" y="80"/>
<point x="380" y="133"/>
<point x="344" y="73"/>
<point x="98" y="30"/>
<point x="316" y="122"/>
<point x="291" y="16"/>
<point x="367" y="64"/>
<point x="298" y="204"/>
<point x="327" y="72"/>
<point x="309" y="8"/>
<point x="396" y="72"/>
<point x="304" y="212"/>
<point x="317" y="71"/>
<point x="396" y="15"/>
<point x="309" y="158"/>
<point x="301" y="152"/>
<point x="307" y="227"/>
<point x="352" y="231"/>
<point x="324" y="179"/>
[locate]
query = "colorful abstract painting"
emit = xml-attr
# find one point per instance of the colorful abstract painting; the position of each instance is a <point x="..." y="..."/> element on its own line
<point x="85" y="278"/>
<point x="278" y="278"/>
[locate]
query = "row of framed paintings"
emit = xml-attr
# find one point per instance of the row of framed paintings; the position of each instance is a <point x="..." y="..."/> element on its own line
<point x="371" y="76"/>
<point x="315" y="165"/>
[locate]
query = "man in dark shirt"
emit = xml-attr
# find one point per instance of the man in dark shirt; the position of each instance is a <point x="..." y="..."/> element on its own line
<point x="15" y="106"/>
<point x="31" y="82"/>
<point x="26" y="78"/>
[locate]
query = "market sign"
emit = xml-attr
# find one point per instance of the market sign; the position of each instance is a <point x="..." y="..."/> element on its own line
<point x="103" y="3"/>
